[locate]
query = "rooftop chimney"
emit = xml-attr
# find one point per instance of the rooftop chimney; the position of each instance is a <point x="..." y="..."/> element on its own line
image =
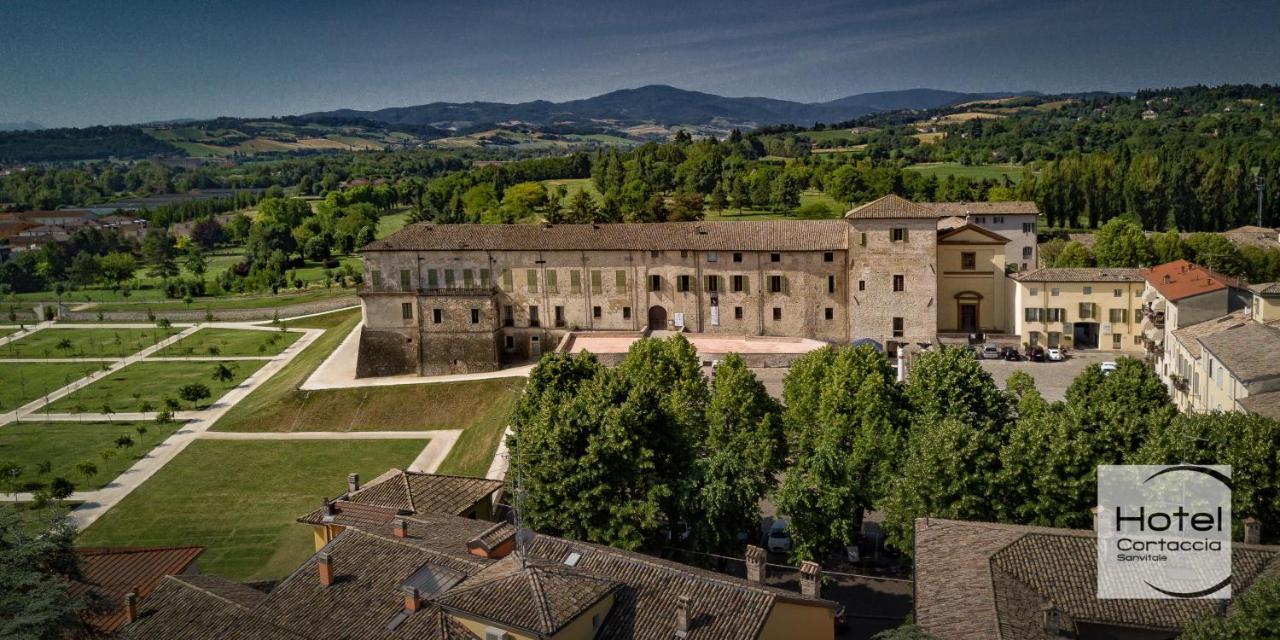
<point x="682" y="616"/>
<point x="400" y="528"/>
<point x="131" y="606"/>
<point x="324" y="565"/>
<point x="1252" y="531"/>
<point x="810" y="579"/>
<point x="1055" y="621"/>
<point x="353" y="482"/>
<point x="1097" y="513"/>
<point x="755" y="563"/>
<point x="330" y="509"/>
<point x="411" y="600"/>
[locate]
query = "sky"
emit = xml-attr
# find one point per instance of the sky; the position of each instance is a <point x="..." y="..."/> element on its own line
<point x="84" y="62"/>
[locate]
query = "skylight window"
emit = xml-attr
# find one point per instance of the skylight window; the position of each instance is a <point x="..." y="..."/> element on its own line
<point x="572" y="559"/>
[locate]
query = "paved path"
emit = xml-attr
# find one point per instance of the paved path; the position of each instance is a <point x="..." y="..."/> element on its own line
<point x="22" y="334"/>
<point x="338" y="371"/>
<point x="501" y="459"/>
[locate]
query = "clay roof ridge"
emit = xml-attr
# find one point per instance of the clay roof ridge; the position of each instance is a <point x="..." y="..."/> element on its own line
<point x="207" y="592"/>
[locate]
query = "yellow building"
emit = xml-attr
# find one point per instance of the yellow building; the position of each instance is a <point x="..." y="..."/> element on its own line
<point x="972" y="286"/>
<point x="1266" y="302"/>
<point x="1091" y="308"/>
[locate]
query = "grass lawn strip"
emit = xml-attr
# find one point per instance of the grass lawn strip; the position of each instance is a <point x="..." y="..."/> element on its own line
<point x="150" y="382"/>
<point x="84" y="343"/>
<point x="230" y="343"/>
<point x="64" y="445"/>
<point x="240" y="498"/>
<point x="24" y="382"/>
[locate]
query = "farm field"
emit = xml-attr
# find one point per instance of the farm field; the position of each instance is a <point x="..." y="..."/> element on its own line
<point x="573" y="186"/>
<point x="806" y="197"/>
<point x="390" y="224"/>
<point x="84" y="343"/>
<point x="150" y="383"/>
<point x="231" y="342"/>
<point x="975" y="171"/>
<point x="22" y="384"/>
<point x="64" y="445"/>
<point x="240" y="499"/>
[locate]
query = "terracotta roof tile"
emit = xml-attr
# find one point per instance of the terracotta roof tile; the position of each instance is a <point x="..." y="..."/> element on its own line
<point x="1189" y="336"/>
<point x="1182" y="279"/>
<point x="412" y="492"/>
<point x="536" y="596"/>
<point x="1013" y="208"/>
<point x="1059" y="274"/>
<point x="192" y="608"/>
<point x="1266" y="404"/>
<point x="1249" y="350"/>
<point x="893" y="206"/>
<point x="114" y="572"/>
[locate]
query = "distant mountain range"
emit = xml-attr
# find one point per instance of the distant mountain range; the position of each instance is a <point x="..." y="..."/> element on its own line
<point x="664" y="105"/>
<point x="20" y="126"/>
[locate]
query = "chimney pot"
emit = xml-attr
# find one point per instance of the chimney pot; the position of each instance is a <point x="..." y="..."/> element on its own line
<point x="400" y="528"/>
<point x="1054" y="621"/>
<point x="810" y="579"/>
<point x="353" y="482"/>
<point x="1097" y="513"/>
<point x="1252" y="530"/>
<point x="131" y="606"/>
<point x="755" y="563"/>
<point x="411" y="600"/>
<point x="330" y="509"/>
<point x="682" y="616"/>
<point x="324" y="565"/>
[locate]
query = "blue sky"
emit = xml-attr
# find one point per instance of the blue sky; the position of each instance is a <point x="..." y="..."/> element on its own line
<point x="78" y="62"/>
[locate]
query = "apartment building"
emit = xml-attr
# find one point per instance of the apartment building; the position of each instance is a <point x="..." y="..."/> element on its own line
<point x="1091" y="308"/>
<point x="1015" y="221"/>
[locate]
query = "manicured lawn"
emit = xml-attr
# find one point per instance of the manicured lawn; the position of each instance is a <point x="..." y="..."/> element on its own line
<point x="573" y="186"/>
<point x="240" y="499"/>
<point x="84" y="343"/>
<point x="257" y="301"/>
<point x="231" y="342"/>
<point x="973" y="171"/>
<point x="4" y="332"/>
<point x="837" y="209"/>
<point x="150" y="382"/>
<point x="63" y="445"/>
<point x="22" y="383"/>
<point x="390" y="224"/>
<point x="473" y="452"/>
<point x="31" y="519"/>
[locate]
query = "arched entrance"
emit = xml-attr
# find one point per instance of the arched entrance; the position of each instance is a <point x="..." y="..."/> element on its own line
<point x="968" y="311"/>
<point x="657" y="318"/>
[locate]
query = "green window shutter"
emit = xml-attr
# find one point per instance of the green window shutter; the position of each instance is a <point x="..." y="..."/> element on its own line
<point x="377" y="278"/>
<point x="433" y="280"/>
<point x="507" y="280"/>
<point x="404" y="278"/>
<point x="468" y="278"/>
<point x="597" y="284"/>
<point x="620" y="280"/>
<point x="786" y="286"/>
<point x="531" y="277"/>
<point x="575" y="281"/>
<point x="905" y="236"/>
<point x="448" y="277"/>
<point x="484" y="277"/>
<point x="551" y="280"/>
<point x="746" y="284"/>
<point x="1029" y="315"/>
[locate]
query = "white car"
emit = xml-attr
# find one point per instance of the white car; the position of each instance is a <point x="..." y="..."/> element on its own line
<point x="990" y="352"/>
<point x="779" y="539"/>
<point x="1055" y="355"/>
<point x="1107" y="368"/>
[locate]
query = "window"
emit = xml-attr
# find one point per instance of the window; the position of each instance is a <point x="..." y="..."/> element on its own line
<point x="862" y="285"/>
<point x="475" y="316"/>
<point x="712" y="257"/>
<point x="626" y="313"/>
<point x="559" y="310"/>
<point x="597" y="282"/>
<point x="1032" y="314"/>
<point x="552" y="281"/>
<point x="507" y="280"/>
<point x="533" y="316"/>
<point x="531" y="278"/>
<point x="433" y="279"/>
<point x="508" y="316"/>
<point x="1054" y="291"/>
<point x="448" y="278"/>
<point x="1028" y="227"/>
<point x="682" y="283"/>
<point x="1054" y="314"/>
<point x="1115" y="341"/>
<point x="377" y="278"/>
<point x="596" y="312"/>
<point x="510" y="342"/>
<point x="654" y="254"/>
<point x="980" y="220"/>
<point x="831" y="284"/>
<point x="775" y="284"/>
<point x="968" y="260"/>
<point x="468" y="278"/>
<point x="1055" y="339"/>
<point x="404" y="278"/>
<point x="777" y="313"/>
<point x="1117" y="293"/>
<point x="655" y="283"/>
<point x="737" y="313"/>
<point x="575" y="281"/>
<point x="1088" y="291"/>
<point x="739" y="283"/>
<point x="1026" y="253"/>
<point x="898" y="235"/>
<point x="406" y="310"/>
<point x="620" y="280"/>
<point x="828" y="257"/>
<point x="437" y="316"/>
<point x="863" y="239"/>
<point x="829" y="313"/>
<point x="1118" y="315"/>
<point x="1034" y="291"/>
<point x="898" y="327"/>
<point x="684" y="253"/>
<point x="997" y="219"/>
<point x="484" y="278"/>
<point x="713" y="284"/>
<point x="737" y="257"/>
<point x="1086" y="310"/>
<point x="775" y="257"/>
<point x="899" y="283"/>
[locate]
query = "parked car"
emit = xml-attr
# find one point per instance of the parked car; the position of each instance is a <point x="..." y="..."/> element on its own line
<point x="1107" y="368"/>
<point x="1011" y="354"/>
<point x="1035" y="354"/>
<point x="990" y="352"/>
<point x="1056" y="355"/>
<point x="779" y="538"/>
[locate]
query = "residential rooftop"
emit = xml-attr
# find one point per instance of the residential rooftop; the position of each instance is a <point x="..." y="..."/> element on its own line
<point x="1011" y="208"/>
<point x="1183" y="279"/>
<point x="1189" y="336"/>
<point x="1082" y="274"/>
<point x="113" y="572"/>
<point x="1248" y="350"/>
<point x="894" y="206"/>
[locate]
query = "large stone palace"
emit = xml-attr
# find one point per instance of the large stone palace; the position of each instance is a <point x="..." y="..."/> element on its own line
<point x="469" y="297"/>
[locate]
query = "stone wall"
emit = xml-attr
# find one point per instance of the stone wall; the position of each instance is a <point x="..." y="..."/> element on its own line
<point x="387" y="353"/>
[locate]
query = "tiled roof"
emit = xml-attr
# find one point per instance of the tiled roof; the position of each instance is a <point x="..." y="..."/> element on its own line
<point x="413" y="492"/>
<point x="1189" y="336"/>
<point x="114" y="572"/>
<point x="1264" y="404"/>
<point x="981" y="580"/>
<point x="893" y="206"/>
<point x="1014" y="208"/>
<point x="536" y="596"/>
<point x="1248" y="350"/>
<point x="192" y="608"/>
<point x="756" y="235"/>
<point x="351" y="514"/>
<point x="1266" y="288"/>
<point x="948" y="232"/>
<point x="1090" y="274"/>
<point x="1182" y="279"/>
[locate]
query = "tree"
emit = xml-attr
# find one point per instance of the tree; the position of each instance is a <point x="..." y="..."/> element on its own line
<point x="158" y="249"/>
<point x="524" y="199"/>
<point x="194" y="393"/>
<point x="841" y="461"/>
<point x="34" y="570"/>
<point x="195" y="261"/>
<point x="582" y="208"/>
<point x="744" y="451"/>
<point x="1167" y="247"/>
<point x="87" y="469"/>
<point x="1256" y="614"/>
<point x="1074" y="255"/>
<point x="1121" y="243"/>
<point x="685" y="206"/>
<point x="83" y="270"/>
<point x="223" y="373"/>
<point x="116" y="268"/>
